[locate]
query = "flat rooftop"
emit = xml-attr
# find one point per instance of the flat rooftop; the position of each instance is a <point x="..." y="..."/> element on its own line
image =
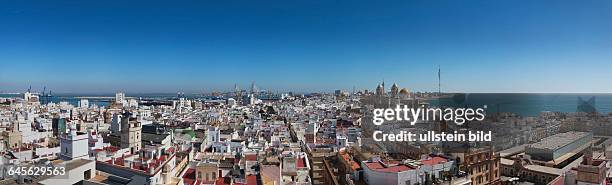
<point x="557" y="141"/>
<point x="512" y="151"/>
<point x="377" y="166"/>
<point x="545" y="169"/>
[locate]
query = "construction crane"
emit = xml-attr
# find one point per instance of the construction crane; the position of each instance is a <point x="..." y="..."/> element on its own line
<point x="44" y="96"/>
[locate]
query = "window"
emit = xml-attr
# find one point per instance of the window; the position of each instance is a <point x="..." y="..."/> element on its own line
<point x="87" y="174"/>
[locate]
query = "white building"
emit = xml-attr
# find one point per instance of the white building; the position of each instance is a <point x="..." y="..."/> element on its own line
<point x="76" y="171"/>
<point x="95" y="140"/>
<point x="119" y="97"/>
<point x="30" y="97"/>
<point x="213" y="135"/>
<point x="84" y="103"/>
<point x="133" y="103"/>
<point x="74" y="145"/>
<point x="406" y="172"/>
<point x="116" y="124"/>
<point x="231" y="102"/>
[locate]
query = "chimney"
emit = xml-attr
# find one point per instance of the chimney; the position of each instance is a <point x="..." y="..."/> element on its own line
<point x="588" y="158"/>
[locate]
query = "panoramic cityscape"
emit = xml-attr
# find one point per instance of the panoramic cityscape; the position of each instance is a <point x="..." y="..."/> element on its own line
<point x="252" y="136"/>
<point x="416" y="92"/>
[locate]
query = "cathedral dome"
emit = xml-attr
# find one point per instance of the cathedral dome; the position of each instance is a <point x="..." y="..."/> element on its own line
<point x="404" y="91"/>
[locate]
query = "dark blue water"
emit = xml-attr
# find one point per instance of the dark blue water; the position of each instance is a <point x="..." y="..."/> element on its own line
<point x="526" y="104"/>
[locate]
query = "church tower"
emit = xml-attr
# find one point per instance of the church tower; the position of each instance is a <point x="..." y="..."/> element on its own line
<point x="74" y="145"/>
<point x="394" y="90"/>
<point x="130" y="133"/>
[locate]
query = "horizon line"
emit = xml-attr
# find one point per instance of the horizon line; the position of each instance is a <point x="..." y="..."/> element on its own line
<point x="329" y="91"/>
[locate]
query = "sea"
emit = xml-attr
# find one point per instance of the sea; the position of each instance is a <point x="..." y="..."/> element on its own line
<point x="528" y="104"/>
<point x="523" y="104"/>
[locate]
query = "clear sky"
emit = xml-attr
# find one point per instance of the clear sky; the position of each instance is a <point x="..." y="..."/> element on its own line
<point x="309" y="45"/>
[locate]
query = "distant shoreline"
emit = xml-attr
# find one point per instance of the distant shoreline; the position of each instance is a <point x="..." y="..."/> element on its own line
<point x="94" y="97"/>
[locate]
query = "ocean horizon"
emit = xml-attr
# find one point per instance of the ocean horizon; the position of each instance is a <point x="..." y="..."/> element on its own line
<point x="523" y="104"/>
<point x="527" y="104"/>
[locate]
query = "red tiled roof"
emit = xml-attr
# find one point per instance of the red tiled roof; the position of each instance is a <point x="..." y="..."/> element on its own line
<point x="399" y="168"/>
<point x="374" y="165"/>
<point x="189" y="182"/>
<point x="434" y="160"/>
<point x="251" y="157"/>
<point x="189" y="177"/>
<point x="377" y="166"/>
<point x="251" y="180"/>
<point x="111" y="148"/>
<point x="301" y="163"/>
<point x="170" y="150"/>
<point x="346" y="157"/>
<point x="557" y="181"/>
<point x="221" y="181"/>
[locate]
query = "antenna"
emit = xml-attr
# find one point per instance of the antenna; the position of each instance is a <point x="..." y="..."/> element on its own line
<point x="253" y="88"/>
<point x="44" y="97"/>
<point x="439" y="89"/>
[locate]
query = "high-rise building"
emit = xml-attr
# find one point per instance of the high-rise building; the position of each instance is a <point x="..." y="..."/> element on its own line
<point x="119" y="97"/>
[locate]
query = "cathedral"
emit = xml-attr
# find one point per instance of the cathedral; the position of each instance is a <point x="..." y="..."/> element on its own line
<point x="394" y="97"/>
<point x="394" y="93"/>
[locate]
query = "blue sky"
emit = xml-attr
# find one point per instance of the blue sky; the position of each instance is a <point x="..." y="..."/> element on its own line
<point x="193" y="46"/>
